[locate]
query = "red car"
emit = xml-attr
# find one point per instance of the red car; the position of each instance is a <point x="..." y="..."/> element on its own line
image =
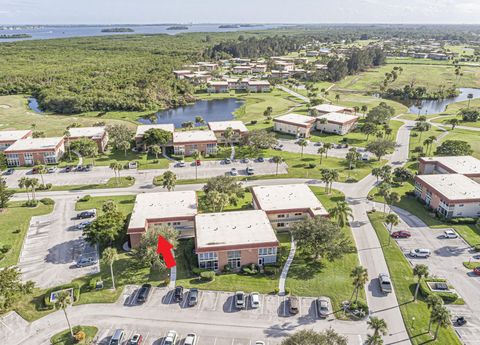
<point x="198" y="162"/>
<point x="401" y="234"/>
<point x="476" y="270"/>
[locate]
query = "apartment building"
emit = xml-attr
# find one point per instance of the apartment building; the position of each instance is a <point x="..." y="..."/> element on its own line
<point x="185" y="143"/>
<point x="294" y="124"/>
<point x="33" y="151"/>
<point x="7" y="138"/>
<point x="336" y="123"/>
<point x="219" y="128"/>
<point x="98" y="134"/>
<point x="465" y="165"/>
<point x="142" y="129"/>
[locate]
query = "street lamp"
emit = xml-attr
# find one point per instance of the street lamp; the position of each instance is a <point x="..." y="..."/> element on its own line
<point x="413" y="320"/>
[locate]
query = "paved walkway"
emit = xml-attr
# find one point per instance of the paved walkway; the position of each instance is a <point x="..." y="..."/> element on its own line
<point x="286" y="267"/>
<point x="293" y="93"/>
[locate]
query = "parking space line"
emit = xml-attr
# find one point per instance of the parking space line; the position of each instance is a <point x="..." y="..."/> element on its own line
<point x="146" y="337"/>
<point x="233" y="341"/>
<point x="215" y="342"/>
<point x="217" y="296"/>
<point x="201" y="298"/>
<point x="130" y="335"/>
<point x="172" y="294"/>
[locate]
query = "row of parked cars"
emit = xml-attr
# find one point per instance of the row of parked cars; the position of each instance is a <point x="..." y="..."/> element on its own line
<point x="422" y="252"/>
<point x="118" y="338"/>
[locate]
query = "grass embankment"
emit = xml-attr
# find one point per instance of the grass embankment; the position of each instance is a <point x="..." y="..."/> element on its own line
<point x="404" y="282"/>
<point x="121" y="182"/>
<point x="64" y="337"/>
<point x="14" y="222"/>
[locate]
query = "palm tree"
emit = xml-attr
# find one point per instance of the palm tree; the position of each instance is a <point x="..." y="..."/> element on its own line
<point x="115" y="166"/>
<point x="391" y="220"/>
<point x="384" y="190"/>
<point x="327" y="147"/>
<point x="342" y="212"/>
<point x="41" y="169"/>
<point x="427" y="142"/>
<point x="33" y="184"/>
<point x="420" y="271"/>
<point x="337" y="97"/>
<point x="352" y="157"/>
<point x="109" y="256"/>
<point x="196" y="156"/>
<point x="169" y="180"/>
<point x="453" y="122"/>
<point x="302" y="143"/>
<point x="155" y="150"/>
<point x="23" y="183"/>
<point x="441" y="316"/>
<point x="321" y="151"/>
<point x="63" y="300"/>
<point x="277" y="160"/>
<point x="360" y="278"/>
<point x="379" y="327"/>
<point x="335" y="177"/>
<point x="433" y="301"/>
<point x="392" y="198"/>
<point x="228" y="135"/>
<point x="374" y="339"/>
<point x="377" y="172"/>
<point x="322" y="121"/>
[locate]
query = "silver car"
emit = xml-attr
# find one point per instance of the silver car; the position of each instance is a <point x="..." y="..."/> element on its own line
<point x="323" y="307"/>
<point x="420" y="253"/>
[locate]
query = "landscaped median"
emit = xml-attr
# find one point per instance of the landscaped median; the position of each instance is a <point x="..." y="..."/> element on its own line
<point x="416" y="314"/>
<point x="121" y="182"/>
<point x="82" y="335"/>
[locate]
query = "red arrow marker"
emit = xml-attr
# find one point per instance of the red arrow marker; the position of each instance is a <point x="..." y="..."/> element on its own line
<point x="165" y="249"/>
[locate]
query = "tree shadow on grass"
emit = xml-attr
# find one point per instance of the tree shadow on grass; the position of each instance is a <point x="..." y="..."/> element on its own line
<point x="305" y="268"/>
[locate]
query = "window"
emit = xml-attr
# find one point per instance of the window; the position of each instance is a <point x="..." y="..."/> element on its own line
<point x="234" y="259"/>
<point x="49" y="157"/>
<point x="13" y="160"/>
<point x="298" y="213"/>
<point x="208" y="261"/>
<point x="461" y="205"/>
<point x="280" y="216"/>
<point x="280" y="225"/>
<point x="267" y="251"/>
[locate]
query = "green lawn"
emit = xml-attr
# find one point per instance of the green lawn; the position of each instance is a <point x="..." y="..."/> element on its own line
<point x="471" y="137"/>
<point x="125" y="203"/>
<point x="14" y="222"/>
<point x="256" y="103"/>
<point x="402" y="277"/>
<point x="17" y="115"/>
<point x="122" y="182"/>
<point x="228" y="281"/>
<point x="144" y="160"/>
<point x="64" y="337"/>
<point x="431" y="76"/>
<point x="444" y="119"/>
<point x="324" y="278"/>
<point x="242" y="204"/>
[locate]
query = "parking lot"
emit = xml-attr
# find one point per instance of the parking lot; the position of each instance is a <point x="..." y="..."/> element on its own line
<point x="446" y="261"/>
<point x="52" y="245"/>
<point x="211" y="306"/>
<point x="271" y="306"/>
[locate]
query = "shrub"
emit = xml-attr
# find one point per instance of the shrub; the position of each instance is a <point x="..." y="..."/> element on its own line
<point x="79" y="336"/>
<point x="311" y="165"/>
<point x="47" y="201"/>
<point x="5" y="248"/>
<point x="92" y="284"/>
<point x="130" y="178"/>
<point x="463" y="220"/>
<point x="74" y="286"/>
<point x="208" y="275"/>
<point x="30" y="203"/>
<point x="251" y="269"/>
<point x="253" y="122"/>
<point x="447" y="297"/>
<point x="418" y="149"/>
<point x="16" y="231"/>
<point x="276" y="291"/>
<point x="85" y="198"/>
<point x="227" y="268"/>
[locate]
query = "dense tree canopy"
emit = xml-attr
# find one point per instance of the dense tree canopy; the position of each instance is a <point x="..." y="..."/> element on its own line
<point x="454" y="148"/>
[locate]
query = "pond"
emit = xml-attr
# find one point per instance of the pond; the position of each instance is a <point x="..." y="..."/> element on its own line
<point x="33" y="105"/>
<point x="428" y="107"/>
<point x="214" y="110"/>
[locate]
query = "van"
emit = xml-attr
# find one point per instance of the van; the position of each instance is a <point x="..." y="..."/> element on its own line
<point x="385" y="283"/>
<point x="293" y="305"/>
<point x="117" y="337"/>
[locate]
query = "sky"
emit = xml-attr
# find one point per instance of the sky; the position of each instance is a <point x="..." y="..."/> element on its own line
<point x="238" y="11"/>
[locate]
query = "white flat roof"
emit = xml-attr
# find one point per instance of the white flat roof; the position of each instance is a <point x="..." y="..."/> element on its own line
<point x="239" y="228"/>
<point x="297" y="119"/>
<point x="453" y="186"/>
<point x="458" y="164"/>
<point x="143" y="128"/>
<point x="89" y="132"/>
<point x="193" y="136"/>
<point x="223" y="125"/>
<point x="287" y="197"/>
<point x="258" y="82"/>
<point x="162" y="205"/>
<point x="338" y="117"/>
<point x="13" y="135"/>
<point x="218" y="83"/>
<point x="32" y="144"/>
<point x="330" y="108"/>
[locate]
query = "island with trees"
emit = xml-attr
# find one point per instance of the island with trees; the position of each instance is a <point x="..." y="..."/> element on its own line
<point x="118" y="30"/>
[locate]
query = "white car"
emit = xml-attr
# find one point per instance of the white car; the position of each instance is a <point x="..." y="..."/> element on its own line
<point x="181" y="164"/>
<point x="171" y="338"/>
<point x="234" y="172"/>
<point x="450" y="234"/>
<point x="255" y="300"/>
<point x="191" y="339"/>
<point x="420" y="253"/>
<point x="51" y="170"/>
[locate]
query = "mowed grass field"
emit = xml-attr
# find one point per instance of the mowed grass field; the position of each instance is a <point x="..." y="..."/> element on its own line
<point x="15" y="114"/>
<point x="431" y="76"/>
